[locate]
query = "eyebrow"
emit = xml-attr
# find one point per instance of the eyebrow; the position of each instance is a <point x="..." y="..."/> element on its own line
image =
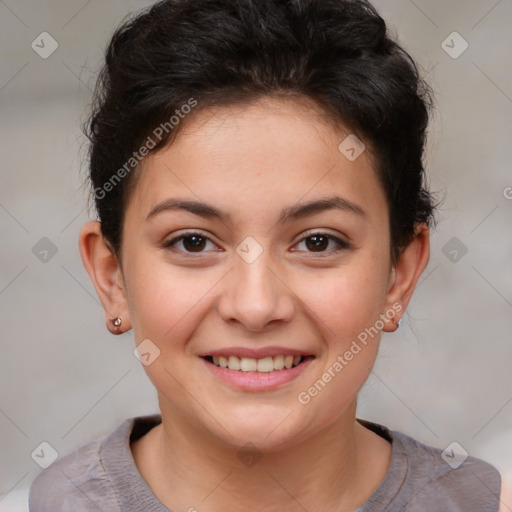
<point x="195" y="207"/>
<point x="294" y="212"/>
<point x="301" y="210"/>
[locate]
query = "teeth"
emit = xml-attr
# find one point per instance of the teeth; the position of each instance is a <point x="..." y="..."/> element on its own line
<point x="265" y="365"/>
<point x="234" y="363"/>
<point x="278" y="362"/>
<point x="248" y="365"/>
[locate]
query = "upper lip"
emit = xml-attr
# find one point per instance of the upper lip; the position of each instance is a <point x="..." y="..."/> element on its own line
<point x="252" y="353"/>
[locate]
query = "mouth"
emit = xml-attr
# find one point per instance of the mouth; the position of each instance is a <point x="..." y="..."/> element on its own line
<point x="269" y="364"/>
<point x="257" y="369"/>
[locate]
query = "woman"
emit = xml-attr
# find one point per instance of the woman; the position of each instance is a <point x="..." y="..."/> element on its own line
<point x="263" y="217"/>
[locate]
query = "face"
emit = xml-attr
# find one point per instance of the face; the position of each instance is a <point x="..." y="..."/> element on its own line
<point x="290" y="257"/>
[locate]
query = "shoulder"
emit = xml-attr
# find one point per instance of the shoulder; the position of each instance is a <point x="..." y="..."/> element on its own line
<point x="78" y="481"/>
<point x="449" y="479"/>
<point x="421" y="477"/>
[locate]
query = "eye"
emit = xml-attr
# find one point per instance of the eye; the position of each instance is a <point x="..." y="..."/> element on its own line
<point x="191" y="242"/>
<point x="319" y="242"/>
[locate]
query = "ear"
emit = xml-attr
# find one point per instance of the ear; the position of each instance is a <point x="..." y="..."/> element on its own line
<point x="106" y="275"/>
<point x="405" y="275"/>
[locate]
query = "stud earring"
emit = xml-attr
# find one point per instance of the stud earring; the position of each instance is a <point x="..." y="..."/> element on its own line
<point x="398" y="323"/>
<point x="117" y="321"/>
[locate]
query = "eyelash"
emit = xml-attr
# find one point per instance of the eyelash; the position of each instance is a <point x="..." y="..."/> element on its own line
<point x="342" y="245"/>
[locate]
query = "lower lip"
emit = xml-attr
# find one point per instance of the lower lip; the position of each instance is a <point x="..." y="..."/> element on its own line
<point x="257" y="381"/>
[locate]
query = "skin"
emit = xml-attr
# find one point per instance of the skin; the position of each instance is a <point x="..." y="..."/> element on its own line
<point x="252" y="162"/>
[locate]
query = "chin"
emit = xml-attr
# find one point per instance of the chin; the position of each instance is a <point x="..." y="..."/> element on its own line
<point x="260" y="426"/>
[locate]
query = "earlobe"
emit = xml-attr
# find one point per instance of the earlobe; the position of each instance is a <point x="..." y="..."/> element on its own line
<point x="406" y="274"/>
<point x="103" y="268"/>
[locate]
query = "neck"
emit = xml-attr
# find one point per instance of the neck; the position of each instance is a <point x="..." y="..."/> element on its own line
<point x="336" y="468"/>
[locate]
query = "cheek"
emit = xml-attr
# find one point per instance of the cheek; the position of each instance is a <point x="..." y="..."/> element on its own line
<point x="166" y="306"/>
<point x="345" y="308"/>
<point x="347" y="299"/>
<point x="165" y="303"/>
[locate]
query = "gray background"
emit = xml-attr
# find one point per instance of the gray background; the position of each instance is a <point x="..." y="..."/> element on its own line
<point x="65" y="380"/>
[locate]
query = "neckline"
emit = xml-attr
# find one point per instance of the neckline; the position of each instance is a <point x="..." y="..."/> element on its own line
<point x="131" y="488"/>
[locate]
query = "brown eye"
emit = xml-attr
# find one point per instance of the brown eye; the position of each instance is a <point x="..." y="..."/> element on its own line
<point x="194" y="243"/>
<point x="317" y="242"/>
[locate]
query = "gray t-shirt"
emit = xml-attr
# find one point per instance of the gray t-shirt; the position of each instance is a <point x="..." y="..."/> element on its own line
<point x="102" y="476"/>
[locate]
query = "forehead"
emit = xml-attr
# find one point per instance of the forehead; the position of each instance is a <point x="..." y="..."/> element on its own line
<point x="271" y="153"/>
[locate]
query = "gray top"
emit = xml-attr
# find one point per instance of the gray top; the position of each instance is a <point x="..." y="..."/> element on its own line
<point x="102" y="476"/>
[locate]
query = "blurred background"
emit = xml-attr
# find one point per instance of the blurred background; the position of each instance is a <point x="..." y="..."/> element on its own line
<point x="444" y="376"/>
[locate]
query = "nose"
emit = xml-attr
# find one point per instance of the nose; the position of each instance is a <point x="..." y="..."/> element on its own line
<point x="255" y="295"/>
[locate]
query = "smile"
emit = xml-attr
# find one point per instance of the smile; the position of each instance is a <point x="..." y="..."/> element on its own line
<point x="264" y="365"/>
<point x="256" y="373"/>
